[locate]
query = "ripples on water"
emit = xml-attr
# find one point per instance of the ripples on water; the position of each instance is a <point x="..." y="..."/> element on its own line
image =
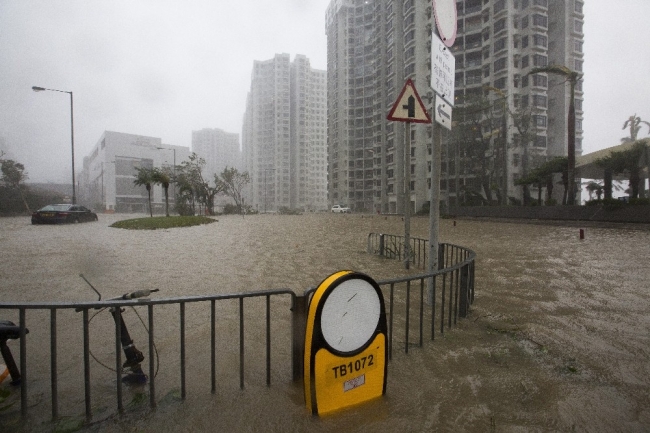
<point x="594" y="290"/>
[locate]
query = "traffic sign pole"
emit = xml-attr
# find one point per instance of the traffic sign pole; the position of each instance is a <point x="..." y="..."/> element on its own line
<point x="407" y="196"/>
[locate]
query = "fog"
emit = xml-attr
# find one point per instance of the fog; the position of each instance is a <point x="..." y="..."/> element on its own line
<point x="164" y="68"/>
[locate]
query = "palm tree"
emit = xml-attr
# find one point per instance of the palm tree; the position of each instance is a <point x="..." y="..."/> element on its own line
<point x="634" y="122"/>
<point x="572" y="77"/>
<point x="626" y="161"/>
<point x="145" y="177"/>
<point x="162" y="177"/>
<point x="595" y="187"/>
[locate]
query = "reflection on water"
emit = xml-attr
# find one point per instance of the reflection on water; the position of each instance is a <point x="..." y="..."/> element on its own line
<point x="558" y="324"/>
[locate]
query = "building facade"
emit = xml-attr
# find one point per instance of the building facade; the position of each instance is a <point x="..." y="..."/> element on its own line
<point x="284" y="135"/>
<point x="106" y="180"/>
<point x="375" y="46"/>
<point x="218" y="148"/>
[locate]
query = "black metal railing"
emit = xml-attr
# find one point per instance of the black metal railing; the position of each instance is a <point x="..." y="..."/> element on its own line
<point x="449" y="293"/>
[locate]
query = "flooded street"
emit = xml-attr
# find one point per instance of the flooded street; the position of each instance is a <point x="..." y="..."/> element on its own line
<point x="558" y="338"/>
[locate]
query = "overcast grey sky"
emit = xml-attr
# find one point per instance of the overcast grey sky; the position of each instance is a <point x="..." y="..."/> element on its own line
<point x="165" y="68"/>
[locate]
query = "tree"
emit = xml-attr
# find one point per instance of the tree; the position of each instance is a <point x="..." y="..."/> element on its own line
<point x="13" y="176"/>
<point x="572" y="77"/>
<point x="634" y="123"/>
<point x="476" y="135"/>
<point x="595" y="188"/>
<point x="162" y="177"/>
<point x="232" y="182"/>
<point x="543" y="176"/>
<point x="624" y="162"/>
<point x="145" y="177"/>
<point x="193" y="188"/>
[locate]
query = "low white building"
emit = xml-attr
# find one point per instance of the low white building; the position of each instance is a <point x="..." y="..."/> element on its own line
<point x="106" y="181"/>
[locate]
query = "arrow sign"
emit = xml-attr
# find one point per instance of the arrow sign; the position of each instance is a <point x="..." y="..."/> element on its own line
<point x="443" y="112"/>
<point x="409" y="106"/>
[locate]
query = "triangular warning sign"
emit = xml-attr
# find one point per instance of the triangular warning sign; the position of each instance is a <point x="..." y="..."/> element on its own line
<point x="409" y="106"/>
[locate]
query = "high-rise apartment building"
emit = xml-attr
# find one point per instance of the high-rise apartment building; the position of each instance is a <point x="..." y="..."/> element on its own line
<point x="284" y="135"/>
<point x="218" y="148"/>
<point x="375" y="45"/>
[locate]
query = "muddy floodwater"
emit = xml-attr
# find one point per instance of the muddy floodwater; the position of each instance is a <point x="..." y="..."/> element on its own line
<point x="558" y="337"/>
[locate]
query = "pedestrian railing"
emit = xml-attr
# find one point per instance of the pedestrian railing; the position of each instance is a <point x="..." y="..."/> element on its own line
<point x="434" y="300"/>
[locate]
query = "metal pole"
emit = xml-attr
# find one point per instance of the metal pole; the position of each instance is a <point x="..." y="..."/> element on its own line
<point x="74" y="192"/>
<point x="174" y="172"/>
<point x="434" y="203"/>
<point x="407" y="195"/>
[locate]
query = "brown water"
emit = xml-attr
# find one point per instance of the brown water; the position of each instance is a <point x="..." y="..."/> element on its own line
<point x="557" y="339"/>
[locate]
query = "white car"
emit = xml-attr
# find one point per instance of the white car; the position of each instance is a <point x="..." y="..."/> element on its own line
<point x="340" y="209"/>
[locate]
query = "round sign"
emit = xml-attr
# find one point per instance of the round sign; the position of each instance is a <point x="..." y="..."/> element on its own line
<point x="446" y="20"/>
<point x="350" y="315"/>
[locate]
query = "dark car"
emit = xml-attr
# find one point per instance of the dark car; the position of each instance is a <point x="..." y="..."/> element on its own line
<point x="63" y="213"/>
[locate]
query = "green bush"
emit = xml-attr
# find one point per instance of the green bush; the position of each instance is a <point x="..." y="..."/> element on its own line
<point x="640" y="201"/>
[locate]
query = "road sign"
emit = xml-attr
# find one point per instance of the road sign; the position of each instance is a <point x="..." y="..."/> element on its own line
<point x="446" y="20"/>
<point x="442" y="112"/>
<point x="443" y="65"/>
<point x="409" y="106"/>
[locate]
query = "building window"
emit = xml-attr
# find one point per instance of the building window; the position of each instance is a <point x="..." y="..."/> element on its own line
<point x="500" y="45"/>
<point x="500" y="83"/>
<point x="540" y="141"/>
<point x="578" y="65"/>
<point x="524" y="62"/>
<point x="499" y="6"/>
<point x="577" y="26"/>
<point x="543" y="3"/>
<point x="540" y="41"/>
<point x="500" y="64"/>
<point x="524" y="42"/>
<point x="409" y="20"/>
<point x="539" y="60"/>
<point x="540" y="20"/>
<point x="539" y="101"/>
<point x="540" y="80"/>
<point x="524" y="22"/>
<point x="499" y="25"/>
<point x="409" y="36"/>
<point x="577" y="46"/>
<point x="578" y="7"/>
<point x="539" y="120"/>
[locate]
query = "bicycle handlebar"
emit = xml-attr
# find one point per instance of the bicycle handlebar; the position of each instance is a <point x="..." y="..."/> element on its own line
<point x="130" y="295"/>
<point x="134" y="295"/>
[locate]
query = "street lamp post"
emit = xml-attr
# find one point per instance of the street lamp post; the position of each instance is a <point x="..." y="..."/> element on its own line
<point x="41" y="89"/>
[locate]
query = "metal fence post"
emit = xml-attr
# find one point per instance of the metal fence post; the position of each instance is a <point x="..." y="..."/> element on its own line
<point x="298" y="320"/>
<point x="463" y="303"/>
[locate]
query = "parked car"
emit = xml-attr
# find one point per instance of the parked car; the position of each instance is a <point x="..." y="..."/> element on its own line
<point x="337" y="208"/>
<point x="63" y="213"/>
